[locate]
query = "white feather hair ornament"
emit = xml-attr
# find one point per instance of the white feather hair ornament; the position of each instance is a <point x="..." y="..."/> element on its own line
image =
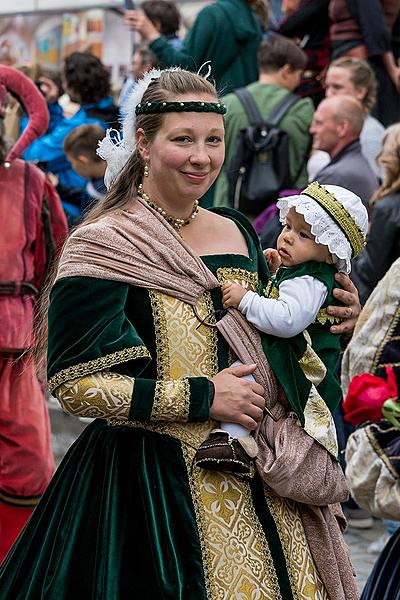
<point x="116" y="149"/>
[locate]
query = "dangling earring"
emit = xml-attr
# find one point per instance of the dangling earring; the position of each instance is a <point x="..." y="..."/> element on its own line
<point x="146" y="171"/>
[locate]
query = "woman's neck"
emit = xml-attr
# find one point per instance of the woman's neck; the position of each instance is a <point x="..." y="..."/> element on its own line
<point x="172" y="206"/>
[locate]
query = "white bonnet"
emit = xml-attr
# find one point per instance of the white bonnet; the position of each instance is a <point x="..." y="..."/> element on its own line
<point x="323" y="207"/>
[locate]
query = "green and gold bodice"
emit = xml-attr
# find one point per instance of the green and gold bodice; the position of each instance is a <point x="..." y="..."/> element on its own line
<point x="139" y="355"/>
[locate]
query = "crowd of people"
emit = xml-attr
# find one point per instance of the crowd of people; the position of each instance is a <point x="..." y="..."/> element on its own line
<point x="184" y="261"/>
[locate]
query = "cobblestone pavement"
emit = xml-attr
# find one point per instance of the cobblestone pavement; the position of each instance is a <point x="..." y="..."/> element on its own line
<point x="358" y="541"/>
<point x="65" y="430"/>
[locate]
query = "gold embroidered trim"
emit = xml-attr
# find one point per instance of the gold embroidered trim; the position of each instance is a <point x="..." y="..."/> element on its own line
<point x="245" y="278"/>
<point x="194" y="485"/>
<point x="211" y="360"/>
<point x="171" y="401"/>
<point x="284" y="538"/>
<point x="339" y="214"/>
<point x="271" y="291"/>
<point x="97" y="395"/>
<point x="174" y="430"/>
<point x="97" y="364"/>
<point x="236" y="558"/>
<point x="304" y="578"/>
<point x="387" y="338"/>
<point x="378" y="450"/>
<point x="323" y="316"/>
<point x="161" y="335"/>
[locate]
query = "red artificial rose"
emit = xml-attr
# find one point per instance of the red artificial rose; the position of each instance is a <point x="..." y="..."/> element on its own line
<point x="366" y="395"/>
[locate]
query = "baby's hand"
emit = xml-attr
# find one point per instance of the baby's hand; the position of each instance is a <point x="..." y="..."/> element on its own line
<point x="232" y="293"/>
<point x="273" y="259"/>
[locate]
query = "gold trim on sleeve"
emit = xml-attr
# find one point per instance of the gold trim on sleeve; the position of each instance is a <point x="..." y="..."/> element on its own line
<point x="323" y="317"/>
<point x="97" y="364"/>
<point x="171" y="401"/>
<point x="243" y="277"/>
<point x="271" y="291"/>
<point x="97" y="395"/>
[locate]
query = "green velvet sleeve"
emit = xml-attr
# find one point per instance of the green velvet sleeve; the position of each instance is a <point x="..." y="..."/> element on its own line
<point x="89" y="332"/>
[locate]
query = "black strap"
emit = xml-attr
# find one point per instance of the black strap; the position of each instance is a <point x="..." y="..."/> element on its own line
<point x="249" y="106"/>
<point x="254" y="115"/>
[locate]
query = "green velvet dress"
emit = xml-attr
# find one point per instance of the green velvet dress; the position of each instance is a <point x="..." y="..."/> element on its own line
<point x="127" y="515"/>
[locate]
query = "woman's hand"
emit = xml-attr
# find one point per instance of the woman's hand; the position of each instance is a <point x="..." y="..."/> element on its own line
<point x="350" y="298"/>
<point x="237" y="400"/>
<point x="137" y="21"/>
<point x="273" y="260"/>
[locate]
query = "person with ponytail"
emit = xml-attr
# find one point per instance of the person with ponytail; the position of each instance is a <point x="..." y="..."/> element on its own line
<point x="138" y="340"/>
<point x="383" y="241"/>
<point x="227" y="33"/>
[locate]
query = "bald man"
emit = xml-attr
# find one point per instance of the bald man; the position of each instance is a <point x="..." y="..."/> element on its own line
<point x="336" y="129"/>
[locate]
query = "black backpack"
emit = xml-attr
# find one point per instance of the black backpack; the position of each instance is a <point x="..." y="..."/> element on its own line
<point x="259" y="168"/>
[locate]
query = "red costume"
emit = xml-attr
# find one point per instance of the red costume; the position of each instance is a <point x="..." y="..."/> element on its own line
<point x="33" y="227"/>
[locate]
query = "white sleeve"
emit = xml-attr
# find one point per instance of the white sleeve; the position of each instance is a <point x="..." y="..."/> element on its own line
<point x="299" y="302"/>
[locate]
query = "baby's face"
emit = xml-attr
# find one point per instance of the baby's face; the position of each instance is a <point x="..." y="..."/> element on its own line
<point x="296" y="244"/>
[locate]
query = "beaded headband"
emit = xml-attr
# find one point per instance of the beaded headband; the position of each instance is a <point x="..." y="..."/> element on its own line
<point x="339" y="214"/>
<point x="161" y="107"/>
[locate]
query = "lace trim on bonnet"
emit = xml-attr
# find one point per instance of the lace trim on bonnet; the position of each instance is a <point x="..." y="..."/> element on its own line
<point x="323" y="227"/>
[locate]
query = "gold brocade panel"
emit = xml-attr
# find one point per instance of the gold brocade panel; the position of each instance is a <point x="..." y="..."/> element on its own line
<point x="304" y="578"/>
<point x="236" y="558"/>
<point x="185" y="348"/>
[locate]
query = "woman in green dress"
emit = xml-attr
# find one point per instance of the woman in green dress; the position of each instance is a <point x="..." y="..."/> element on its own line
<point x="133" y="342"/>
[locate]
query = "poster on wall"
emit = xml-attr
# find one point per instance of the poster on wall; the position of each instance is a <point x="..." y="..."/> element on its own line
<point x="83" y="32"/>
<point x="48" y="44"/>
<point x="48" y="38"/>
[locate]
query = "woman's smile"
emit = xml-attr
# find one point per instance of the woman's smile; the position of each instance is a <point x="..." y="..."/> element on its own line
<point x="195" y="176"/>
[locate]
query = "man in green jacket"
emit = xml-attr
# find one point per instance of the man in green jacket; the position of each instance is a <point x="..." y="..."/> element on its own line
<point x="227" y="33"/>
<point x="281" y="63"/>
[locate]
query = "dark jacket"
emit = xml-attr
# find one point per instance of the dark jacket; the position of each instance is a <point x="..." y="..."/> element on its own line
<point x="228" y="34"/>
<point x="383" y="245"/>
<point x="351" y="170"/>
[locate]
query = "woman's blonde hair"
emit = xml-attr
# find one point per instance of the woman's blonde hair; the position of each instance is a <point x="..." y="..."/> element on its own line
<point x="163" y="89"/>
<point x="389" y="159"/>
<point x="361" y="76"/>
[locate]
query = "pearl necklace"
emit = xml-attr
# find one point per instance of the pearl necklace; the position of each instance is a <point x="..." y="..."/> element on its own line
<point x="175" y="222"/>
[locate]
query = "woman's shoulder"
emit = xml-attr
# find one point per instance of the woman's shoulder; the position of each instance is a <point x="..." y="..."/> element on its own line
<point x="227" y="214"/>
<point x="233" y="220"/>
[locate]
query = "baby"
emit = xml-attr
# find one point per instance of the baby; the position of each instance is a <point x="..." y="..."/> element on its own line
<point x="324" y="228"/>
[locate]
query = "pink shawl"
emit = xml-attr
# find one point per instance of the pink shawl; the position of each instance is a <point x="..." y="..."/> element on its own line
<point x="140" y="248"/>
